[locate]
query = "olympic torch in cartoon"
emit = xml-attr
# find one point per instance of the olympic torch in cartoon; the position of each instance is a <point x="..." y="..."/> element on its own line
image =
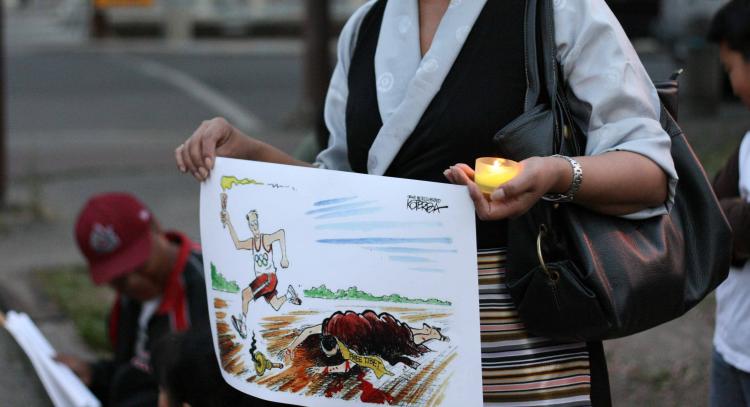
<point x="223" y="209"/>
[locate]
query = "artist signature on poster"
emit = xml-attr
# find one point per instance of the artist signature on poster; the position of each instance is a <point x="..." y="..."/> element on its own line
<point x="423" y="203"/>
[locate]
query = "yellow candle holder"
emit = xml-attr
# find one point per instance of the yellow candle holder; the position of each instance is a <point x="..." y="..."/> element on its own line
<point x="491" y="172"/>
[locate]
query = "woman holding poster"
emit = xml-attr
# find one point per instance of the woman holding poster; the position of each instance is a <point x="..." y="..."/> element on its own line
<point x="420" y="89"/>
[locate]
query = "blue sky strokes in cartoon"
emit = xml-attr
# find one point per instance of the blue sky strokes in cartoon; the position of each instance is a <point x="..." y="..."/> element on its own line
<point x="419" y="252"/>
<point x="368" y="226"/>
<point x="410" y="259"/>
<point x="334" y="201"/>
<point x="428" y="269"/>
<point x="343" y="207"/>
<point x="409" y="250"/>
<point x="350" y="212"/>
<point x="388" y="240"/>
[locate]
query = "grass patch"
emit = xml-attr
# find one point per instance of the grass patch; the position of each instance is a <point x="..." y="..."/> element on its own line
<point x="220" y="283"/>
<point x="353" y="293"/>
<point x="80" y="300"/>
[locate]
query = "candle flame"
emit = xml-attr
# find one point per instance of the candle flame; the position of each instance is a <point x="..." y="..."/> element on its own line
<point x="491" y="172"/>
<point x="499" y="163"/>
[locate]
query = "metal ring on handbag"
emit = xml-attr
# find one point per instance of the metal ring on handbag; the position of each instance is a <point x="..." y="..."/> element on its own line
<point x="552" y="275"/>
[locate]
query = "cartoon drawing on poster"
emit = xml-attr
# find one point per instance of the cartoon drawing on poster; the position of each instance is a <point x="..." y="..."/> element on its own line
<point x="339" y="288"/>
<point x="260" y="246"/>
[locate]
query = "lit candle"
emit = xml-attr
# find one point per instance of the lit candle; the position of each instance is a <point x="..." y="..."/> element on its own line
<point x="491" y="172"/>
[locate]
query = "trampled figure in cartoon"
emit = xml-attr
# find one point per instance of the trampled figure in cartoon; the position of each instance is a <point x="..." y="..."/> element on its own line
<point x="366" y="339"/>
<point x="265" y="282"/>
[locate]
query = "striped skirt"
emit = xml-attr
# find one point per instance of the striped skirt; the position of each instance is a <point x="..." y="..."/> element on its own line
<point x="519" y="369"/>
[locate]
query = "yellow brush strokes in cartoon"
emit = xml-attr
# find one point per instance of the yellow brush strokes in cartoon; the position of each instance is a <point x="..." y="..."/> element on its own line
<point x="373" y="363"/>
<point x="227" y="182"/>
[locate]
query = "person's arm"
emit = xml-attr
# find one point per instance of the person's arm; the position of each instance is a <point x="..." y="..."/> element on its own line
<point x="736" y="209"/>
<point x="726" y="183"/>
<point x="288" y="352"/>
<point x="83" y="369"/>
<point x="278" y="236"/>
<point x="336" y="155"/>
<point x="343" y="367"/>
<point x="608" y="185"/>
<point x="628" y="169"/>
<point x="239" y="244"/>
<point x="317" y="329"/>
<point x="615" y="103"/>
<point x="97" y="376"/>
<point x="313" y="330"/>
<point x="216" y="137"/>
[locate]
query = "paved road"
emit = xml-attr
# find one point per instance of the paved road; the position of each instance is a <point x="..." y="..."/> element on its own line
<point x="60" y="98"/>
<point x="87" y="117"/>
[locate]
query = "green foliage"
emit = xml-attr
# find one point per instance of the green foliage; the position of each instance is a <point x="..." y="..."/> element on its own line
<point x="353" y="293"/>
<point x="80" y="300"/>
<point x="220" y="283"/>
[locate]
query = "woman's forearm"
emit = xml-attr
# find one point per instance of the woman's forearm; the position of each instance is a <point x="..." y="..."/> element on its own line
<point x="615" y="183"/>
<point x="254" y="149"/>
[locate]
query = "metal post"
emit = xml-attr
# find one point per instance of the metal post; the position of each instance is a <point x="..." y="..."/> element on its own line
<point x="3" y="154"/>
<point x="317" y="58"/>
<point x="178" y="26"/>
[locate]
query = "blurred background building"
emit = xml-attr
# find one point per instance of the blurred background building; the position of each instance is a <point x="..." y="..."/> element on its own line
<point x="667" y="19"/>
<point x="179" y="18"/>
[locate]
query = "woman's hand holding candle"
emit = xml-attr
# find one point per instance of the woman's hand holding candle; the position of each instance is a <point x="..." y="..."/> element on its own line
<point x="536" y="176"/>
<point x="491" y="172"/>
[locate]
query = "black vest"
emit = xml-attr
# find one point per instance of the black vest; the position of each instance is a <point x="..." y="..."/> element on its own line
<point x="483" y="92"/>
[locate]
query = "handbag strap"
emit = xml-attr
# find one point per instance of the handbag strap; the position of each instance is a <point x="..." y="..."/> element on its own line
<point x="540" y="39"/>
<point x="568" y="138"/>
<point x="533" y="87"/>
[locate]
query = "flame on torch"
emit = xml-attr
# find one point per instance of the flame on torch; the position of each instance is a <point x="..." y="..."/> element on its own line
<point x="227" y="182"/>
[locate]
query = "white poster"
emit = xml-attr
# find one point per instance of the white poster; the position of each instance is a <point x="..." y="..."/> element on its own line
<point x="337" y="289"/>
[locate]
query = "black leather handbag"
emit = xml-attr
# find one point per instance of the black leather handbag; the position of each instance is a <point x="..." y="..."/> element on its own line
<point x="575" y="274"/>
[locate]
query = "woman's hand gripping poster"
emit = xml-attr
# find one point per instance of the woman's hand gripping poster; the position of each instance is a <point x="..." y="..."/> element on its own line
<point x="328" y="288"/>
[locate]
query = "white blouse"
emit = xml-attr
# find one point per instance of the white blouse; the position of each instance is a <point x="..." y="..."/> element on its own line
<point x="610" y="93"/>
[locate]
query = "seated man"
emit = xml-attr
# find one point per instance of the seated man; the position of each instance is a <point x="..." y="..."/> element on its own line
<point x="158" y="277"/>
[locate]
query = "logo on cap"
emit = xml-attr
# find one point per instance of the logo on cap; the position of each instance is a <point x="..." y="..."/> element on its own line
<point x="144" y="215"/>
<point x="103" y="239"/>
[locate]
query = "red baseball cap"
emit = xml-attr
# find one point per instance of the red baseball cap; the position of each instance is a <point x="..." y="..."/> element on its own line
<point x="113" y="231"/>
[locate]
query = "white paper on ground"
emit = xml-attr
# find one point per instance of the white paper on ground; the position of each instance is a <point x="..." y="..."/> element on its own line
<point x="62" y="385"/>
<point x="403" y="251"/>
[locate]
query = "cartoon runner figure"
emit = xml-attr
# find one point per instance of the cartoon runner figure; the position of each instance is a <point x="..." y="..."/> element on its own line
<point x="366" y="340"/>
<point x="265" y="282"/>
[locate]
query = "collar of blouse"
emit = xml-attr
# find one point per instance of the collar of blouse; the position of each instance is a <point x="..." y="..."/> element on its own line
<point x="406" y="81"/>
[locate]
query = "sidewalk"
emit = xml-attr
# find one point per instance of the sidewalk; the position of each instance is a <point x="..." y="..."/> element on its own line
<point x="18" y="382"/>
